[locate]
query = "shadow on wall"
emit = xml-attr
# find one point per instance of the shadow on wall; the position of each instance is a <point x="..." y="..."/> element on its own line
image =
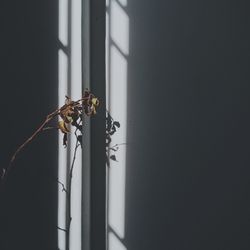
<point x="28" y="205"/>
<point x="187" y="155"/>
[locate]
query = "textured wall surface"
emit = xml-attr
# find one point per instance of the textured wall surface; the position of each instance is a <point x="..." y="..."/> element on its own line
<point x="28" y="77"/>
<point x="188" y="165"/>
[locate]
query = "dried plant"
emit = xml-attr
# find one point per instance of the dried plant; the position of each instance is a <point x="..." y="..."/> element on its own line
<point x="70" y="114"/>
<point x="70" y="117"/>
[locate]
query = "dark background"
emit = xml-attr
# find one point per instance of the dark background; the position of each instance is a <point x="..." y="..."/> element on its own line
<point x="188" y="161"/>
<point x="28" y="78"/>
<point x="188" y="125"/>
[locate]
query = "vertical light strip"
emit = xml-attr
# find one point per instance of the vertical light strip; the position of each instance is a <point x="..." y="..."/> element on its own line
<point x="117" y="53"/>
<point x="119" y="27"/>
<point x="62" y="154"/>
<point x="107" y="67"/>
<point x="63" y="64"/>
<point x="63" y="21"/>
<point x="76" y="93"/>
<point x="118" y="109"/>
<point x="107" y="57"/>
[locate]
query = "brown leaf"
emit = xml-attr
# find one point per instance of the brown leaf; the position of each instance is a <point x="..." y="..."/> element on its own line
<point x="63" y="127"/>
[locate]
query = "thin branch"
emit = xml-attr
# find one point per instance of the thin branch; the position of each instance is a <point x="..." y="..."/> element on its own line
<point x="63" y="186"/>
<point x="116" y="146"/>
<point x="59" y="111"/>
<point x="62" y="229"/>
<point x="69" y="191"/>
<point x="47" y="120"/>
<point x="74" y="158"/>
<point x="49" y="128"/>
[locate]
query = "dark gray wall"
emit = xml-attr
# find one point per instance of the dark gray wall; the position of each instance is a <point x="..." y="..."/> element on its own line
<point x="188" y="125"/>
<point x="28" y="82"/>
<point x="188" y="165"/>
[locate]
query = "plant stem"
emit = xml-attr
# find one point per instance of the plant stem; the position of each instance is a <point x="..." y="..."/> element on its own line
<point x="40" y="129"/>
<point x="69" y="217"/>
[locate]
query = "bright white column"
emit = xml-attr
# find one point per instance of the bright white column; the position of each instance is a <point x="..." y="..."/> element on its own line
<point x="63" y="62"/>
<point x="76" y="93"/>
<point x="117" y="53"/>
<point x="63" y="22"/>
<point x="62" y="152"/>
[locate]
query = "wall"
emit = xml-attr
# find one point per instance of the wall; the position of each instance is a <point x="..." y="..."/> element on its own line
<point x="187" y="169"/>
<point x="187" y="162"/>
<point x="28" y="77"/>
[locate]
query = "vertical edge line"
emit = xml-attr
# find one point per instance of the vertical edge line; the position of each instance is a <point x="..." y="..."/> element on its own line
<point x="98" y="126"/>
<point x="69" y="94"/>
<point x="86" y="161"/>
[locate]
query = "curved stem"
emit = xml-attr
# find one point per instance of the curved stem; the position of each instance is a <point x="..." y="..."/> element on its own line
<point x="48" y="119"/>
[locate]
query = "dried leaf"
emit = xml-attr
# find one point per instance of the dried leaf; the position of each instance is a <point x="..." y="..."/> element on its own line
<point x="113" y="158"/>
<point x="95" y="101"/>
<point x="112" y="132"/>
<point x="79" y="139"/>
<point x="108" y="123"/>
<point x="65" y="140"/>
<point x="63" y="127"/>
<point x="117" y="124"/>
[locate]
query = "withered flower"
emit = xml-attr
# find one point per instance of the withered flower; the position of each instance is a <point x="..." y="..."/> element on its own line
<point x="71" y="112"/>
<point x="71" y="115"/>
<point x="90" y="103"/>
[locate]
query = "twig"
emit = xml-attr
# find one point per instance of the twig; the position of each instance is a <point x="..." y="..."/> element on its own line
<point x="62" y="229"/>
<point x="47" y="120"/>
<point x="63" y="186"/>
<point x="69" y="218"/>
<point x="50" y="128"/>
<point x="116" y="146"/>
<point x="64" y="112"/>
